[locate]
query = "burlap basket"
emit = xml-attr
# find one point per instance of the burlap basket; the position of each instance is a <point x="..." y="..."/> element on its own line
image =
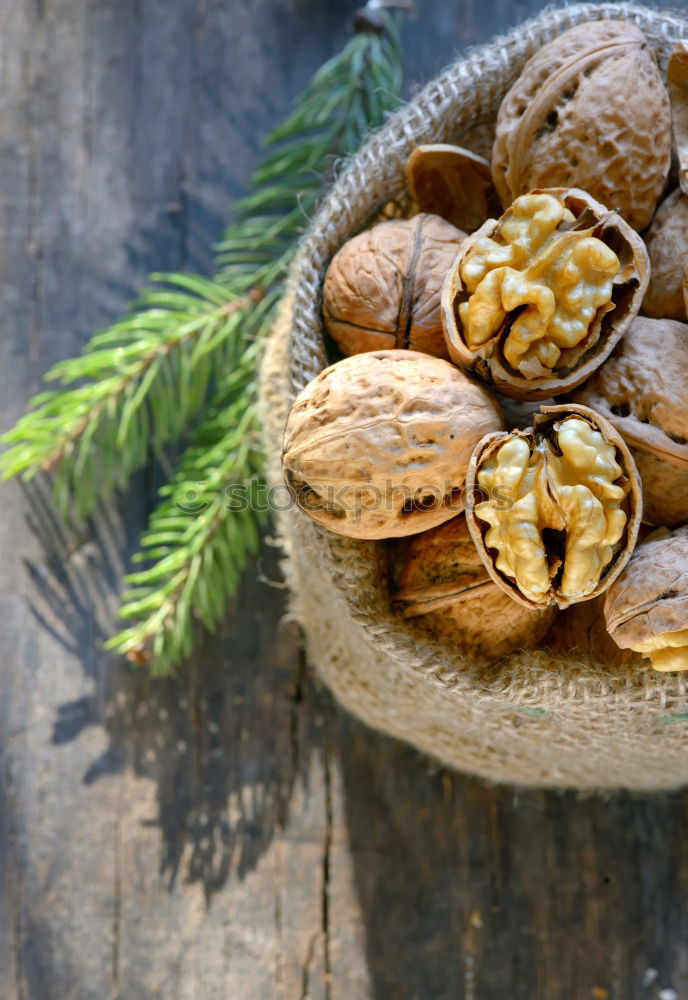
<point x="536" y="717"/>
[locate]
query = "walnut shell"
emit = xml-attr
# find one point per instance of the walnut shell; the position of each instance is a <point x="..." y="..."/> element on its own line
<point x="642" y="389"/>
<point x="647" y="607"/>
<point x="677" y="80"/>
<point x="382" y="288"/>
<point x="554" y="511"/>
<point x="589" y="110"/>
<point x="667" y="246"/>
<point x="536" y="300"/>
<point x="445" y="590"/>
<point x="581" y="628"/>
<point x="377" y="445"/>
<point x="453" y="183"/>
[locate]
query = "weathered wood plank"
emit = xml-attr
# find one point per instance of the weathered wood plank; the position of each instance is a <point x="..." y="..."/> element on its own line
<point x="229" y="833"/>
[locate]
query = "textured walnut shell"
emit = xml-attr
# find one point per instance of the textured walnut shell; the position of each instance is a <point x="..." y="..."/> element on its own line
<point x="443" y="587"/>
<point x="453" y="183"/>
<point x="650" y="597"/>
<point x="581" y="628"/>
<point x="543" y="428"/>
<point x="667" y="246"/>
<point x="677" y="80"/>
<point x="382" y="288"/>
<point x="642" y="389"/>
<point x="488" y="362"/>
<point x="589" y="110"/>
<point x="377" y="445"/>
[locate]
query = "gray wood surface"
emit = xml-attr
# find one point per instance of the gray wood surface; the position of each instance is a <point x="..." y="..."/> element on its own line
<point x="230" y="833"/>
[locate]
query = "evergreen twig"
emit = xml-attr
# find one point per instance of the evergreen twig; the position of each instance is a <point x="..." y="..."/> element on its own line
<point x="207" y="522"/>
<point x="136" y="386"/>
<point x="142" y="382"/>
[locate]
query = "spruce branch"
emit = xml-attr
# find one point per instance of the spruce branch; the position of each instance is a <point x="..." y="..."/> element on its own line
<point x="137" y="385"/>
<point x="206" y="524"/>
<point x="189" y="352"/>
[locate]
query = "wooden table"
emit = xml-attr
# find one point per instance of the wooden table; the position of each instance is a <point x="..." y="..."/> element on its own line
<point x="230" y="833"/>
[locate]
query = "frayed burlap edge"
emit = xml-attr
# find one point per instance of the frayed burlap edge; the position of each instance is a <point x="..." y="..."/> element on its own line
<point x="535" y="718"/>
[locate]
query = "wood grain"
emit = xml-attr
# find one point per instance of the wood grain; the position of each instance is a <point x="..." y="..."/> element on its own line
<point x="230" y="833"/>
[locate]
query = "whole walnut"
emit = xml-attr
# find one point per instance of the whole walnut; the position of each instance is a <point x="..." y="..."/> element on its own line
<point x="646" y="609"/>
<point x="444" y="589"/>
<point x="382" y="288"/>
<point x="642" y="389"/>
<point x="554" y="511"/>
<point x="377" y="445"/>
<point x="535" y="301"/>
<point x="589" y="110"/>
<point x="667" y="246"/>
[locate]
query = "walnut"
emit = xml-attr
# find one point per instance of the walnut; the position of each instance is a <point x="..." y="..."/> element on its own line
<point x="443" y="587"/>
<point x="642" y="389"/>
<point x="677" y="80"/>
<point x="382" y="288"/>
<point x="647" y="607"/>
<point x="581" y="629"/>
<point x="453" y="183"/>
<point x="536" y="300"/>
<point x="377" y="445"/>
<point x="590" y="111"/>
<point x="667" y="246"/>
<point x="554" y="511"/>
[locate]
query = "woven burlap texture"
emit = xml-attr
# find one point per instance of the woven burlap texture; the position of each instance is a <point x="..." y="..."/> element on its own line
<point x="535" y="718"/>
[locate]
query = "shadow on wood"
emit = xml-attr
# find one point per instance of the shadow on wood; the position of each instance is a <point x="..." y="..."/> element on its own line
<point x="222" y="788"/>
<point x="472" y="891"/>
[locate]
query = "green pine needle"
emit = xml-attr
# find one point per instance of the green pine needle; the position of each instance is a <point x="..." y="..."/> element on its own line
<point x="135" y="387"/>
<point x="207" y="522"/>
<point x="140" y="384"/>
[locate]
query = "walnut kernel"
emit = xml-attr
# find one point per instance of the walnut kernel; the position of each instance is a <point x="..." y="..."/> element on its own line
<point x="536" y="300"/>
<point x="559" y="506"/>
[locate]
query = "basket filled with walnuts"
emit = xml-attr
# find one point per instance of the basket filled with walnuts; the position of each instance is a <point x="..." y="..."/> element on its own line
<point x="477" y="397"/>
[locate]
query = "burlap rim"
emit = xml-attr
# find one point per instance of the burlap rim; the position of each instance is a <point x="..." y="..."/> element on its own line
<point x="459" y="100"/>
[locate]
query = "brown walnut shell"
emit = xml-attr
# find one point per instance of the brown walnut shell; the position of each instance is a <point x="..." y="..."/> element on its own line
<point x="382" y="288"/>
<point x="570" y="522"/>
<point x="589" y="110"/>
<point x="581" y="628"/>
<point x="487" y="360"/>
<point x="642" y="389"/>
<point x="377" y="445"/>
<point x="677" y="80"/>
<point x="453" y="183"/>
<point x="667" y="246"/>
<point x="650" y="598"/>
<point x="445" y="590"/>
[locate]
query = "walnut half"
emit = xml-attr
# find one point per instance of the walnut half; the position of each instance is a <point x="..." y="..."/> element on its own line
<point x="535" y="301"/>
<point x="647" y="607"/>
<point x="554" y="511"/>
